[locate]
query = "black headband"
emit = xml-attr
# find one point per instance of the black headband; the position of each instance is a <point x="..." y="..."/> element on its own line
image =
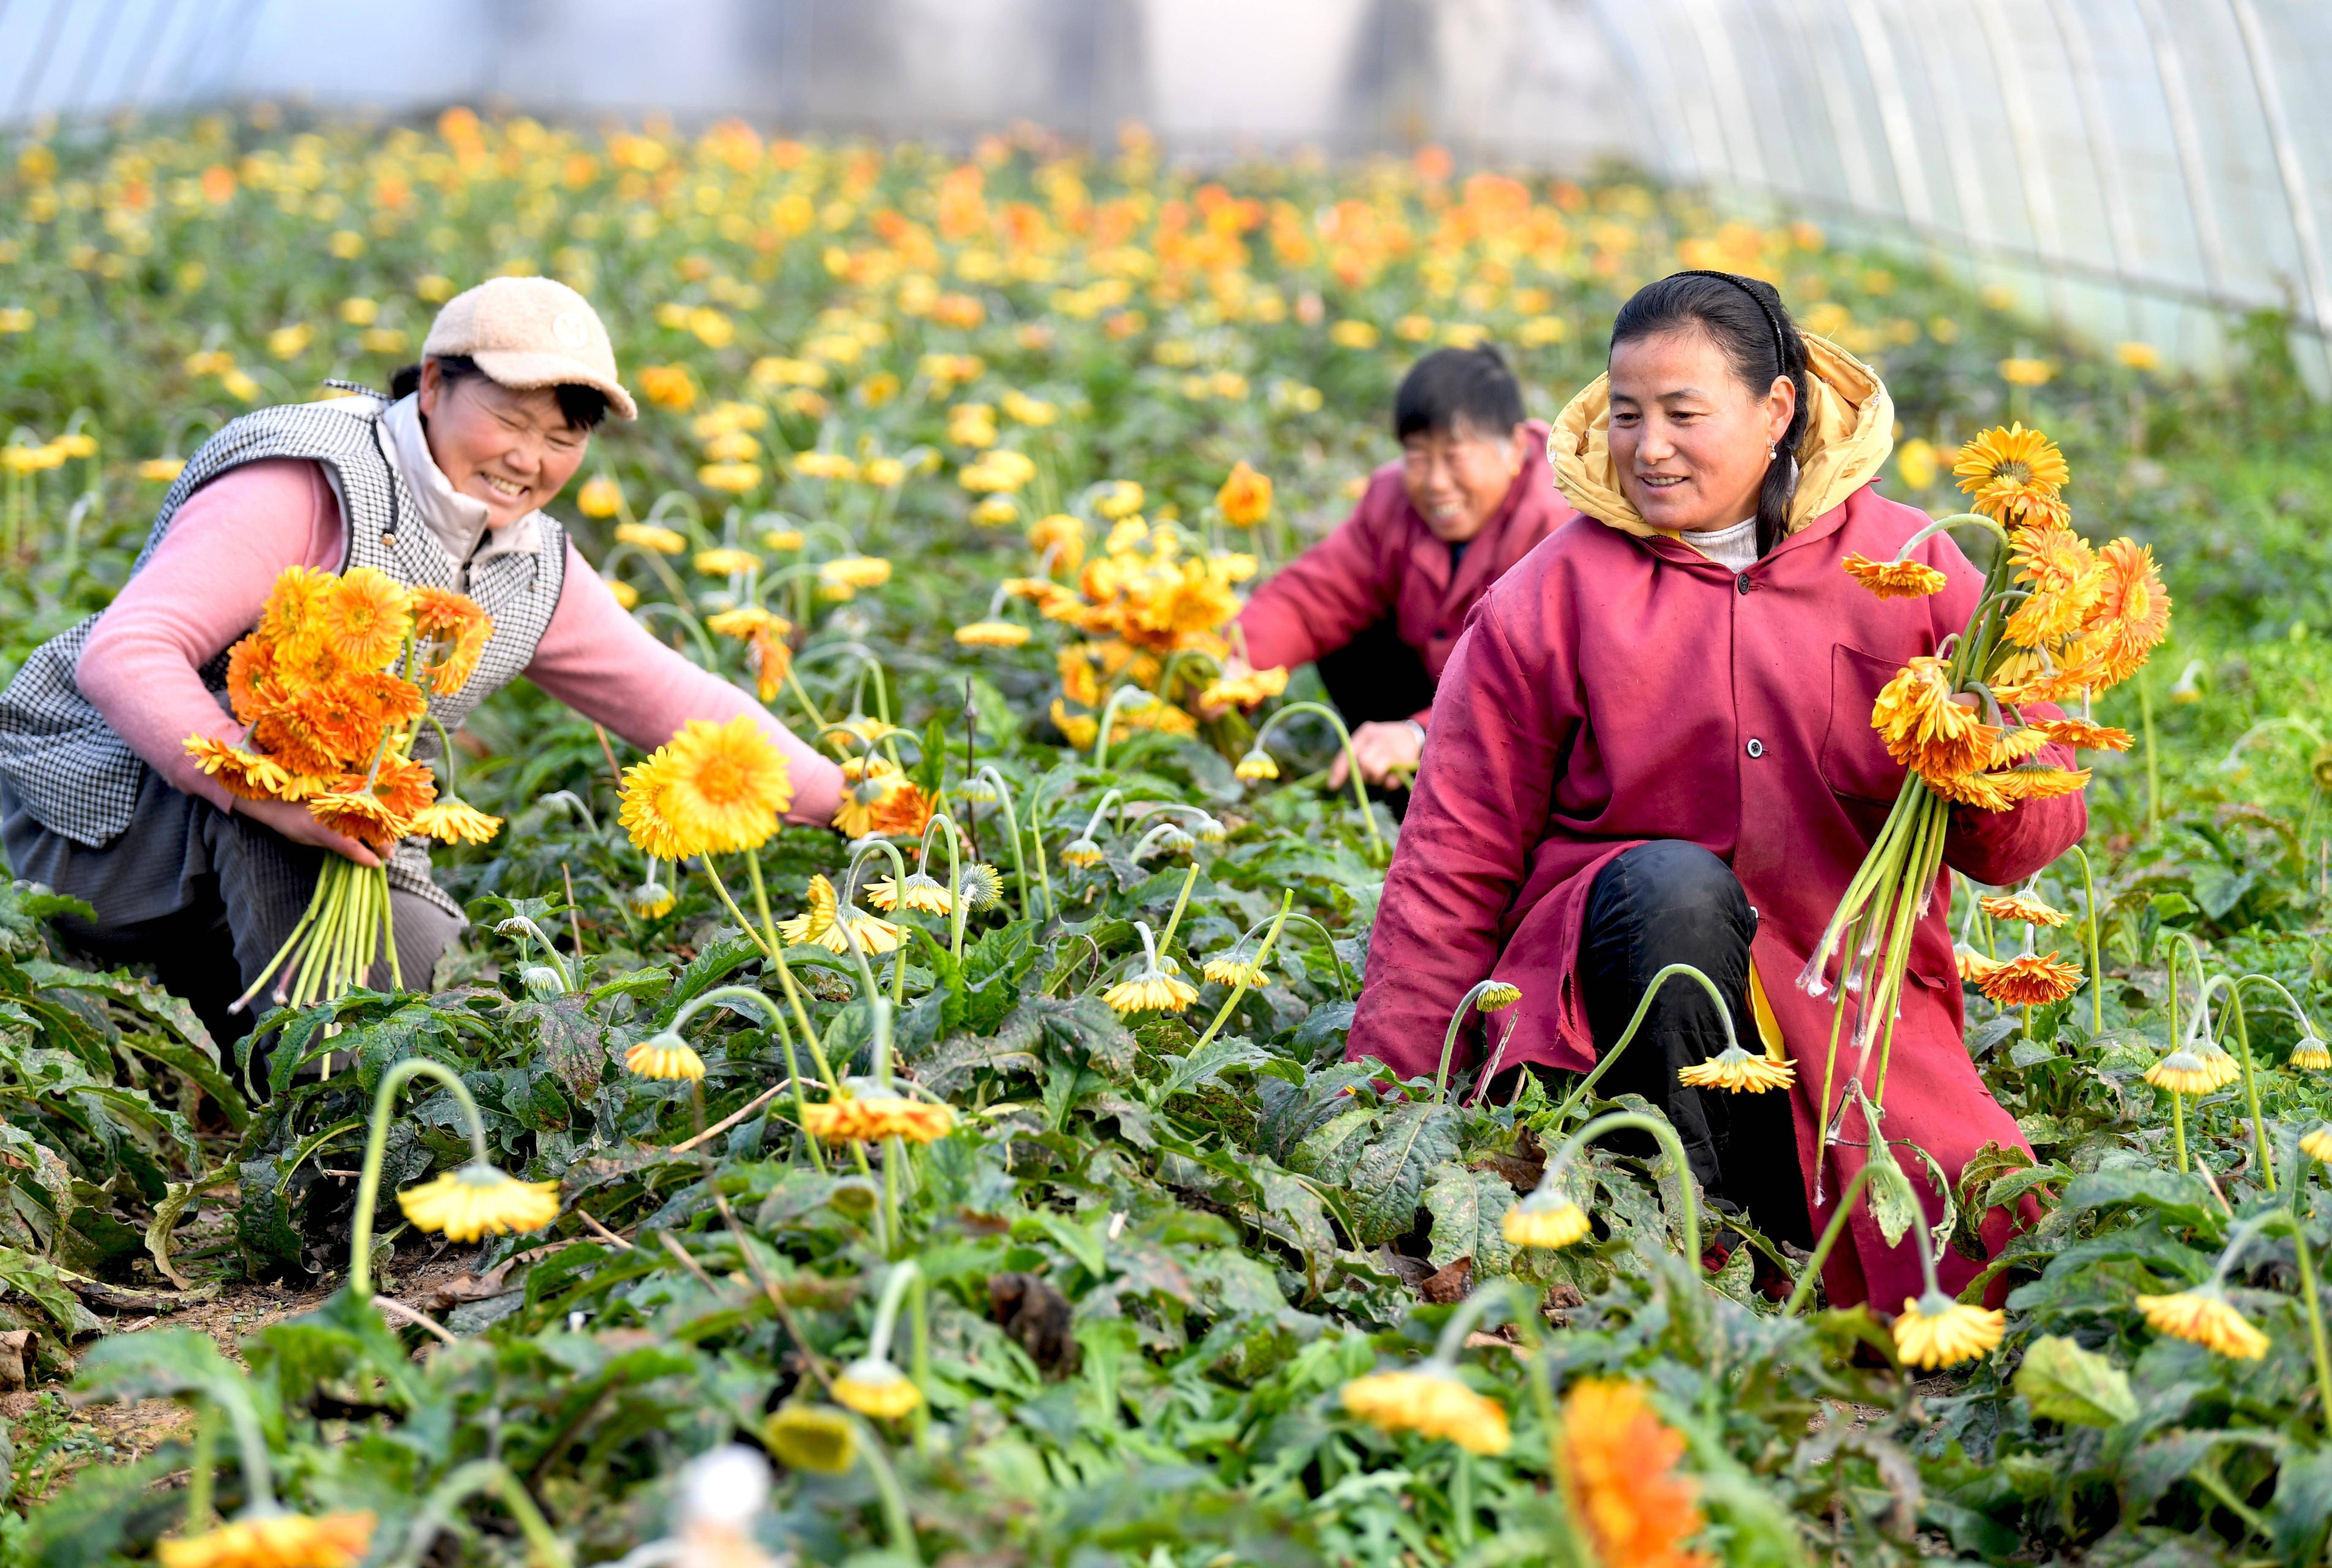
<point x="1780" y="352"/>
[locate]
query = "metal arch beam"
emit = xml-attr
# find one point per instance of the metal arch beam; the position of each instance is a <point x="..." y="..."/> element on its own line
<point x="1623" y="50"/>
<point x="2024" y="136"/>
<point x="2121" y="226"/>
<point x="1894" y="113"/>
<point x="1801" y="169"/>
<point x="1960" y="160"/>
<point x="2286" y="159"/>
<point x="1745" y="139"/>
<point x="2192" y="172"/>
<point x="1862" y="188"/>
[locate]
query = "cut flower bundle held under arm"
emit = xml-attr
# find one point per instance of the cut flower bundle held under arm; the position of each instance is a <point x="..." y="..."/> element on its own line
<point x="333" y="688"/>
<point x="2057" y="623"/>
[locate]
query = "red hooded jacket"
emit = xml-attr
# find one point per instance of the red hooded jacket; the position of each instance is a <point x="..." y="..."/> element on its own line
<point x="1383" y="559"/>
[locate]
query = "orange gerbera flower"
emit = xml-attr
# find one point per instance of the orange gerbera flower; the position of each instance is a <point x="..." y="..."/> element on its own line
<point x="905" y="812"/>
<point x="1983" y="791"/>
<point x="2015" y="475"/>
<point x="386" y="701"/>
<point x="399" y="783"/>
<point x="246" y="775"/>
<point x="2064" y="583"/>
<point x="366" y="617"/>
<point x="291" y="603"/>
<point x="304" y="663"/>
<point x="2083" y="735"/>
<point x="1972" y="965"/>
<point x="2040" y="781"/>
<point x="1625" y="1488"/>
<point x="457" y="630"/>
<point x="337" y="723"/>
<point x="871" y="782"/>
<point x="358" y="815"/>
<point x="1896" y="580"/>
<point x="1925" y="730"/>
<point x="2029" y="980"/>
<point x="2028" y="907"/>
<point x="2131" y="616"/>
<point x="1245" y="497"/>
<point x="2019" y="743"/>
<point x="251" y="684"/>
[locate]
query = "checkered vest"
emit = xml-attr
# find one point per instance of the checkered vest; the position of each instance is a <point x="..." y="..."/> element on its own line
<point x="81" y="779"/>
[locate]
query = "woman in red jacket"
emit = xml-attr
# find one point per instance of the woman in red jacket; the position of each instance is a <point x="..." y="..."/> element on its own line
<point x="1653" y="745"/>
<point x="1379" y="602"/>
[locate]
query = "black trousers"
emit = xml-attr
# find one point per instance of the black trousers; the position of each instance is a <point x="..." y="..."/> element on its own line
<point x="1669" y="901"/>
<point x="1378" y="678"/>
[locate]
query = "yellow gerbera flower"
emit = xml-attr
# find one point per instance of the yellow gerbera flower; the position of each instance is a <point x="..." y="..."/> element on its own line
<point x="822" y="924"/>
<point x="652" y="536"/>
<point x="806" y="1437"/>
<point x="723" y="562"/>
<point x="450" y="820"/>
<point x="663" y="1056"/>
<point x="246" y="775"/>
<point x="2027" y="907"/>
<point x="1156" y="988"/>
<point x="871" y="1118"/>
<point x="2317" y="1145"/>
<point x="2205" y="1316"/>
<point x="1255" y="766"/>
<point x="1245" y="691"/>
<point x="1433" y="1404"/>
<point x="991" y="634"/>
<point x="1896" y="580"/>
<point x="921" y="891"/>
<point x="1925" y="730"/>
<point x="477" y="1200"/>
<point x="1736" y="1071"/>
<point x="2310" y="1053"/>
<point x="1544" y="1218"/>
<point x="2015" y="475"/>
<point x="1229" y="970"/>
<point x="275" y="1540"/>
<point x="366" y="617"/>
<point x="1934" y="1331"/>
<point x="724" y="786"/>
<point x="877" y="1388"/>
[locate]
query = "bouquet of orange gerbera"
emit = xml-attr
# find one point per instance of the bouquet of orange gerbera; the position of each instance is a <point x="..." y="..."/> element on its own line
<point x="332" y="687"/>
<point x="2058" y="621"/>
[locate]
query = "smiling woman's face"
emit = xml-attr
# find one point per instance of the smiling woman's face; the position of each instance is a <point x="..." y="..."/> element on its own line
<point x="513" y="450"/>
<point x="1689" y="440"/>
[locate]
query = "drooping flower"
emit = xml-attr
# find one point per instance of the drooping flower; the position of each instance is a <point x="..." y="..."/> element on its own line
<point x="2065" y="583"/>
<point x="824" y="922"/>
<point x="457" y="629"/>
<point x="651" y="900"/>
<point x="981" y="885"/>
<point x="1433" y="1403"/>
<point x="870" y="781"/>
<point x="1925" y="730"/>
<point x="1737" y="1071"/>
<point x="274" y="1540"/>
<point x="1547" y="1219"/>
<point x="724" y="786"/>
<point x="991" y="634"/>
<point x="600" y="496"/>
<point x="1972" y="965"/>
<point x="1245" y="691"/>
<point x="2015" y="475"/>
<point x="2310" y="1053"/>
<point x="2183" y="1072"/>
<point x="1896" y="580"/>
<point x="2317" y="1145"/>
<point x="877" y="1388"/>
<point x="843" y="576"/>
<point x="1496" y="996"/>
<point x="359" y="815"/>
<point x="451" y="821"/>
<point x="920" y="891"/>
<point x="1081" y="853"/>
<point x="478" y="1201"/>
<point x="246" y="775"/>
<point x="1625" y="1488"/>
<point x="1232" y="970"/>
<point x="2028" y="907"/>
<point x="872" y="1118"/>
<point x="2205" y="1316"/>
<point x="663" y="1056"/>
<point x="652" y="536"/>
<point x="725" y="561"/>
<point x="1158" y="986"/>
<point x="1934" y="1331"/>
<point x="2035" y="780"/>
<point x="806" y="1437"/>
<point x="2083" y="735"/>
<point x="366" y="617"/>
<point x="2031" y="980"/>
<point x="1255" y="766"/>
<point x="2131" y="618"/>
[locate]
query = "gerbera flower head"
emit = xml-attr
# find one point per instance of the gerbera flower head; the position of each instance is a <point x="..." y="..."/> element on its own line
<point x="2311" y="1055"/>
<point x="1082" y="852"/>
<point x="246" y="775"/>
<point x="1625" y="1489"/>
<point x="1257" y="766"/>
<point x="1433" y="1404"/>
<point x="875" y="1388"/>
<point x="981" y="885"/>
<point x="2065" y="583"/>
<point x="664" y="1056"/>
<point x="1736" y="1071"/>
<point x="1934" y="1331"/>
<point x="1925" y="730"/>
<point x="2205" y="1316"/>
<point x="456" y="630"/>
<point x="1246" y="496"/>
<point x="904" y="813"/>
<point x="651" y="900"/>
<point x="919" y="891"/>
<point x="478" y="1201"/>
<point x="646" y="812"/>
<point x="366" y="616"/>
<point x="991" y="634"/>
<point x="806" y="1437"/>
<point x="2082" y="735"/>
<point x="2029" y="980"/>
<point x="1547" y="1218"/>
<point x="1896" y="580"/>
<point x="725" y="561"/>
<point x="1496" y="996"/>
<point x="870" y="780"/>
<point x="2183" y="1072"/>
<point x="359" y="815"/>
<point x="724" y="786"/>
<point x="2014" y="476"/>
<point x="875" y="1116"/>
<point x="1245" y="691"/>
<point x="274" y="1540"/>
<point x="2028" y="907"/>
<point x="1158" y="986"/>
<point x="746" y="622"/>
<point x="652" y="536"/>
<point x="2037" y="781"/>
<point x="828" y="924"/>
<point x="2130" y="618"/>
<point x="1231" y="969"/>
<point x="1972" y="965"/>
<point x="2318" y="1144"/>
<point x="250" y="685"/>
<point x="452" y="820"/>
<point x="292" y="602"/>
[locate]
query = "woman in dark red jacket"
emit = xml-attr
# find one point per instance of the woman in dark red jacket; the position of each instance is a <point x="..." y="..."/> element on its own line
<point x="1653" y="745"/>
<point x="1379" y="602"/>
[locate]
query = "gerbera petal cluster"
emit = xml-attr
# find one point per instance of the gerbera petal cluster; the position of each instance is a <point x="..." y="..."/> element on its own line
<point x="663" y="1056"/>
<point x="2205" y="1316"/>
<point x="2028" y="907"/>
<point x="1156" y="986"/>
<point x="2015" y="476"/>
<point x="2031" y="980"/>
<point x="1246" y="690"/>
<point x="875" y="1388"/>
<point x="711" y="789"/>
<point x="1896" y="580"/>
<point x="825" y="922"/>
<point x="1625" y="1488"/>
<point x="1927" y="732"/>
<point x="1547" y="1218"/>
<point x="1934" y="1331"/>
<point x="479" y="1200"/>
<point x="870" y="1118"/>
<point x="919" y="891"/>
<point x="1433" y="1404"/>
<point x="274" y="1540"/>
<point x="1737" y="1071"/>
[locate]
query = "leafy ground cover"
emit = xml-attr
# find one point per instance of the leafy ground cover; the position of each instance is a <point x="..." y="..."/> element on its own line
<point x="1159" y="1246"/>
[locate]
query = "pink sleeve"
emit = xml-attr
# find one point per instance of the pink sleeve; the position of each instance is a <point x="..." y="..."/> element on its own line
<point x="203" y="587"/>
<point x="1327" y="596"/>
<point x="603" y="665"/>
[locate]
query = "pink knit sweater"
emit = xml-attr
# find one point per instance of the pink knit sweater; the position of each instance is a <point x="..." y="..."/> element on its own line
<point x="206" y="582"/>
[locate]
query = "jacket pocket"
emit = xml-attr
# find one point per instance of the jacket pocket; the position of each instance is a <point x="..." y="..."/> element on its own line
<point x="1854" y="760"/>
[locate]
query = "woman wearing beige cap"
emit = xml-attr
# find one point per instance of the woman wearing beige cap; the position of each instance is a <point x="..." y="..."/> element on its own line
<point x="442" y="483"/>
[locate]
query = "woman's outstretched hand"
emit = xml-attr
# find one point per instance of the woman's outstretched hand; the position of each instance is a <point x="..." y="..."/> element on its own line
<point x="292" y="820"/>
<point x="1381" y="749"/>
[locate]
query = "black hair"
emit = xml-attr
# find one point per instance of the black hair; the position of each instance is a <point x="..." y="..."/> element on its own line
<point x="1745" y="318"/>
<point x="1454" y="387"/>
<point x="583" y="406"/>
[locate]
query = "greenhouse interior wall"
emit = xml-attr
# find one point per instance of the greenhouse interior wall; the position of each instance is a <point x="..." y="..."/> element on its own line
<point x="2142" y="172"/>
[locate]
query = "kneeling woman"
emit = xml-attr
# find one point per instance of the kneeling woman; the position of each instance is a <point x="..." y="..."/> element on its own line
<point x="445" y="486"/>
<point x="1653" y="745"/>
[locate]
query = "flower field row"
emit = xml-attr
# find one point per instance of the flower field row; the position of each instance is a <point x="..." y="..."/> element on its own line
<point x="982" y="1181"/>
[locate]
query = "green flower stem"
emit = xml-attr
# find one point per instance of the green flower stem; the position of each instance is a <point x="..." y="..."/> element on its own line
<point x="1957" y="520"/>
<point x="384" y="1103"/>
<point x="895" y="1519"/>
<point x="656" y="562"/>
<point x="1240" y="990"/>
<point x="1181" y="901"/>
<point x="1670" y="1145"/>
<point x="696" y="1004"/>
<point x="251" y="1445"/>
<point x="1882" y="999"/>
<point x="544" y="1547"/>
<point x="2298" y="1013"/>
<point x="886" y="1307"/>
<point x="1457" y="1021"/>
<point x="1012" y="830"/>
<point x="1603" y="1062"/>
<point x="558" y="965"/>
<point x="2307" y="1289"/>
<point x="775" y="951"/>
<point x="849" y="893"/>
<point x="1351" y="761"/>
<point x="2153" y="761"/>
<point x="1343" y="975"/>
<point x="2097" y="962"/>
<point x="1093" y="823"/>
<point x="956" y="911"/>
<point x="1811" y="1275"/>
<point x="2178" y="1128"/>
<point x="198" y="1474"/>
<point x="2250" y="1083"/>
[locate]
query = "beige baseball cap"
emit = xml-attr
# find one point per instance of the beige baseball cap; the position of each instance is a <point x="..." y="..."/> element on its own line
<point x="530" y="333"/>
